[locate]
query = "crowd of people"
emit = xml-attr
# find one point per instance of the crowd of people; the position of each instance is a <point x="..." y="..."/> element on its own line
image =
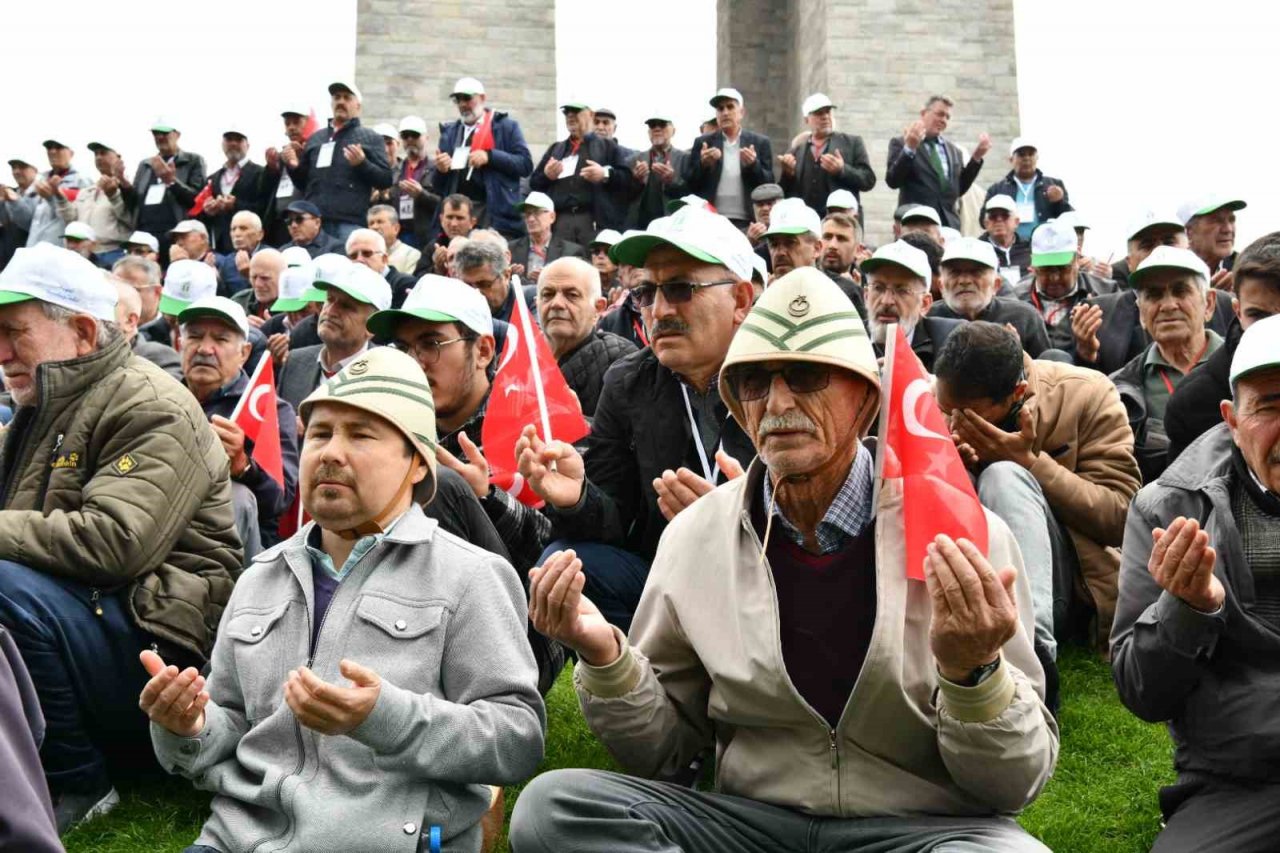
<point x="350" y="645"/>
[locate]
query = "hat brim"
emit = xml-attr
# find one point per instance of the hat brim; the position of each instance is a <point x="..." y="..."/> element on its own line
<point x="1052" y="259"/>
<point x="189" y="314"/>
<point x="308" y="297"/>
<point x="354" y="294"/>
<point x="1163" y="223"/>
<point x="171" y="306"/>
<point x="9" y="297"/>
<point x="719" y="99"/>
<point x="523" y="206"/>
<point x="162" y="128"/>
<point x="978" y="261"/>
<point x="1138" y="278"/>
<point x="1232" y="205"/>
<point x="381" y="323"/>
<point x="870" y="265"/>
<point x="98" y="146"/>
<point x="633" y="250"/>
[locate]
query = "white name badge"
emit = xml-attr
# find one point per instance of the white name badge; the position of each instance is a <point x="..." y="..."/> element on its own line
<point x="570" y="165"/>
<point x="155" y="194"/>
<point x="324" y="157"/>
<point x="459" y="159"/>
<point x="1026" y="211"/>
<point x="1012" y="275"/>
<point x="406" y="206"/>
<point x="285" y="189"/>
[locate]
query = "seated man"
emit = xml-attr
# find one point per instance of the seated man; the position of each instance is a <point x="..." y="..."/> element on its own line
<point x="1000" y="219"/>
<point x="624" y="318"/>
<point x="128" y="307"/>
<point x="366" y="246"/>
<point x="842" y="247"/>
<point x="928" y="736"/>
<point x="384" y="219"/>
<point x="897" y="277"/>
<point x="794" y="236"/>
<point x="921" y="219"/>
<point x="483" y="265"/>
<point x="605" y="267"/>
<point x="147" y="279"/>
<point x="116" y="529"/>
<point x="400" y="644"/>
<point x="294" y="314"/>
<point x="245" y="236"/>
<point x="306" y="230"/>
<point x="1195" y="643"/>
<point x="530" y="254"/>
<point x="763" y="198"/>
<point x="969" y="284"/>
<point x="1053" y="454"/>
<point x="215" y="347"/>
<point x="144" y="245"/>
<point x="263" y="273"/>
<point x="1054" y="288"/>
<point x="569" y="304"/>
<point x="457" y="220"/>
<point x="1174" y="304"/>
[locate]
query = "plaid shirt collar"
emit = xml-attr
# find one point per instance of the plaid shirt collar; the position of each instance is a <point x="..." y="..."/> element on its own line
<point x="848" y="515"/>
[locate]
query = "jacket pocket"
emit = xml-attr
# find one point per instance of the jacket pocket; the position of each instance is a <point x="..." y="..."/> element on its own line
<point x="262" y="653"/>
<point x="401" y="641"/>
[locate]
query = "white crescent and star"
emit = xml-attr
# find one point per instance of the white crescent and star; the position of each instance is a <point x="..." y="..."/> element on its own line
<point x="917" y="389"/>
<point x="254" y="397"/>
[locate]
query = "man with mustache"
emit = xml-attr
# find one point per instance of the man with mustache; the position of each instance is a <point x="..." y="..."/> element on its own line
<point x="969" y="284"/>
<point x="1175" y="303"/>
<point x="897" y="277"/>
<point x="1056" y="287"/>
<point x="580" y="174"/>
<point x="1195" y="641"/>
<point x="411" y="198"/>
<point x="239" y="186"/>
<point x="215" y="346"/>
<point x="825" y="160"/>
<point x="845" y="701"/>
<point x="365" y="654"/>
<point x="794" y="236"/>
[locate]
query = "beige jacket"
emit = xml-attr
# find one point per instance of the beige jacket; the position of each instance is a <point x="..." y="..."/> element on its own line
<point x="108" y="217"/>
<point x="704" y="665"/>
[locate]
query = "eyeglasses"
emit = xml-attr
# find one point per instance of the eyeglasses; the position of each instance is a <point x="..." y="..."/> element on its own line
<point x="426" y="352"/>
<point x="483" y="284"/>
<point x="139" y="250"/>
<point x="899" y="293"/>
<point x="299" y="218"/>
<point x="752" y="382"/>
<point x="675" y="292"/>
<point x="362" y="253"/>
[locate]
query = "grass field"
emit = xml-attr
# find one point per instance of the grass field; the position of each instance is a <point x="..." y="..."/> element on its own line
<point x="1102" y="797"/>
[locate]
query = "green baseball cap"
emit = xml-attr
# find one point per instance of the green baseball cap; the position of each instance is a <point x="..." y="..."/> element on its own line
<point x="695" y="231"/>
<point x="296" y="290"/>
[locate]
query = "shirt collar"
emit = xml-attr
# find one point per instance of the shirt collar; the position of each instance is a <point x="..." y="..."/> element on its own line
<point x="1156" y="359"/>
<point x="849" y="513"/>
<point x="364" y="544"/>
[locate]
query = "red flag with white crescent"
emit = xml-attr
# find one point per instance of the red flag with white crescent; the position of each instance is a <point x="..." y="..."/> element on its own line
<point x="257" y="415"/>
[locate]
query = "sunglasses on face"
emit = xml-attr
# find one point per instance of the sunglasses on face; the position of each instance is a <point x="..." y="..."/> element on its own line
<point x="674" y="292"/>
<point x="752" y="382"/>
<point x="298" y="219"/>
<point x="362" y="253"/>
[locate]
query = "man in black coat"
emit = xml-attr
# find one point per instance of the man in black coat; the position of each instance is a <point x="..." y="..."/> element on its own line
<point x="658" y="174"/>
<point x="1038" y="198"/>
<point x="825" y="160"/>
<point x="577" y="173"/>
<point x="165" y="186"/>
<point x="540" y="246"/>
<point x="897" y="277"/>
<point x="278" y="188"/>
<point x="238" y="185"/>
<point x="725" y="166"/>
<point x="306" y="231"/>
<point x="969" y="284"/>
<point x="926" y="169"/>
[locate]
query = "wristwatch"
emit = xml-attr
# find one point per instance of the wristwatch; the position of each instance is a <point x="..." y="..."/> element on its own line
<point x="980" y="674"/>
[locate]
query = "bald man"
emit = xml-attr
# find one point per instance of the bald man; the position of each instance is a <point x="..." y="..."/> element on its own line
<point x="128" y="309"/>
<point x="569" y="305"/>
<point x="264" y="284"/>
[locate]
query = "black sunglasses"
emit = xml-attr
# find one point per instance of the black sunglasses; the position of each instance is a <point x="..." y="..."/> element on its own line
<point x="752" y="382"/>
<point x="298" y="219"/>
<point x="675" y="292"/>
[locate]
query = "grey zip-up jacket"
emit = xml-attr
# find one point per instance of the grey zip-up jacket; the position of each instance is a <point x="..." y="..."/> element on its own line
<point x="443" y="624"/>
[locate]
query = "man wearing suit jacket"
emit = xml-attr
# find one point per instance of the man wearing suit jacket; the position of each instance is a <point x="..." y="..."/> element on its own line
<point x="657" y="174"/>
<point x="541" y="246"/>
<point x="825" y="161"/>
<point x="165" y="186"/>
<point x="725" y="166"/>
<point x="237" y="186"/>
<point x="927" y="169"/>
<point x="578" y="173"/>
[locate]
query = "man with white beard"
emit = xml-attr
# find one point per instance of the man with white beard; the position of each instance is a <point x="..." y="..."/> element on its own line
<point x="969" y="284"/>
<point x="897" y="277"/>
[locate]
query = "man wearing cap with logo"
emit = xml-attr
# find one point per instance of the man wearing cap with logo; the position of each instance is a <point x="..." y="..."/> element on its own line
<point x="278" y="187"/>
<point x="1195" y="640"/>
<point x="795" y="241"/>
<point x="826" y="160"/>
<point x="1175" y="303"/>
<point x="184" y="282"/>
<point x="897" y="280"/>
<point x="1037" y="197"/>
<point x="724" y="166"/>
<point x="658" y="173"/>
<point x="364" y="654"/>
<point x="384" y="219"/>
<point x="661" y="435"/>
<point x="489" y="175"/>
<point x="341" y="165"/>
<point x="215" y="346"/>
<point x="165" y="185"/>
<point x="102" y="206"/>
<point x="923" y="219"/>
<point x="578" y="173"/>
<point x="411" y="197"/>
<point x="541" y="246"/>
<point x="116" y="530"/>
<point x="307" y="232"/>
<point x="1001" y="230"/>
<point x="757" y="634"/>
<point x="929" y="170"/>
<point x="36" y="212"/>
<point x="1054" y="288"/>
<point x="969" y="285"/>
<point x="352" y="293"/>
<point x="1211" y="232"/>
<point x="238" y="186"/>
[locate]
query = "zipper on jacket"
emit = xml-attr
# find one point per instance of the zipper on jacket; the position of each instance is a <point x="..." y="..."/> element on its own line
<point x="835" y="754"/>
<point x="94" y="596"/>
<point x="48" y="472"/>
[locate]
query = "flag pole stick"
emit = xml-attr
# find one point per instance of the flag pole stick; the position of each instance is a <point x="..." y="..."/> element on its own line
<point x="886" y="394"/>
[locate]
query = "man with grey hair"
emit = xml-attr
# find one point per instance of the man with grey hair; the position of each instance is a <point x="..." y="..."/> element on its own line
<point x="116" y="529"/>
<point x="264" y="285"/>
<point x="128" y="307"/>
<point x="384" y="219"/>
<point x="245" y="240"/>
<point x="239" y="186"/>
<point x="366" y="246"/>
<point x="484" y="266"/>
<point x="144" y="275"/>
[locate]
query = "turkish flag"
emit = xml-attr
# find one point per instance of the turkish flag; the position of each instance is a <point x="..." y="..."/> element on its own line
<point x="201" y="198"/>
<point x="312" y="125"/>
<point x="937" y="494"/>
<point x="528" y="389"/>
<point x="256" y="414"/>
<point x="482" y="139"/>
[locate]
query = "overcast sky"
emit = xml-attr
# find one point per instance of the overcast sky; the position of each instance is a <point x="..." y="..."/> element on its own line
<point x="1144" y="100"/>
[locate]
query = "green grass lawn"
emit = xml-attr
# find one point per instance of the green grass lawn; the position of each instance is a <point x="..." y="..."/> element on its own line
<point x="1102" y="797"/>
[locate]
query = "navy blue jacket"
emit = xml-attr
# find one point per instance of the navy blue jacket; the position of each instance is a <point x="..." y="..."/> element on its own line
<point x="341" y="190"/>
<point x="509" y="161"/>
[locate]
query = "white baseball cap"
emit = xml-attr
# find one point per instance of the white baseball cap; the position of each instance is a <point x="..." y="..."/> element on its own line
<point x="1053" y="244"/>
<point x="60" y="277"/>
<point x="607" y="237"/>
<point x="329" y="268"/>
<point x="437" y="299"/>
<point x="386" y="130"/>
<point x="903" y="254"/>
<point x="921" y="211"/>
<point x="142" y="238"/>
<point x="413" y="124"/>
<point x="698" y="233"/>
<point x="342" y="86"/>
<point x="1258" y="350"/>
<point x="220" y="307"/>
<point x="234" y="129"/>
<point x="690" y="199"/>
<point x="163" y="124"/>
<point x="813" y="103"/>
<point x="1170" y="258"/>
<point x="185" y="282"/>
<point x="728" y="93"/>
<point x="1149" y="218"/>
<point x="1022" y="142"/>
<point x="361" y="284"/>
<point x="842" y="200"/>
<point x="971" y="249"/>
<point x="1074" y="219"/>
<point x="297" y="289"/>
<point x="760" y="268"/>
<point x="540" y="200"/>
<point x="187" y="226"/>
<point x="79" y="231"/>
<point x="793" y="216"/>
<point x="296" y="110"/>
<point x="296" y="256"/>
<point x="467" y="86"/>
<point x="1001" y="201"/>
<point x="1208" y="204"/>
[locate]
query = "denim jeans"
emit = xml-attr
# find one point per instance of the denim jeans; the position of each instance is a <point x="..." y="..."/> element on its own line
<point x="615" y="578"/>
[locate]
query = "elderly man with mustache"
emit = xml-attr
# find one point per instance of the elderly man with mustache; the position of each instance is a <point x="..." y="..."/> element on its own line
<point x="846" y="702"/>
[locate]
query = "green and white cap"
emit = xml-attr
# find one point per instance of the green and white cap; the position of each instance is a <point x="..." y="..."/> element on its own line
<point x="537" y="200"/>
<point x="1258" y="350"/>
<point x="436" y="299"/>
<point x="296" y="256"/>
<point x="1150" y="219"/>
<point x="793" y="216"/>
<point x="1074" y="219"/>
<point x="1170" y="258"/>
<point x="360" y="283"/>
<point x="219" y="307"/>
<point x="185" y="282"/>
<point x="803" y="316"/>
<point x="297" y="289"/>
<point x="163" y="124"/>
<point x="899" y="253"/>
<point x="1205" y="205"/>
<point x="695" y="231"/>
<point x="1053" y="244"/>
<point x="59" y="277"/>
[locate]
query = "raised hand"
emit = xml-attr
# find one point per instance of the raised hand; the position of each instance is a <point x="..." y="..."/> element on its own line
<point x="559" y="610"/>
<point x="593" y="172"/>
<point x="1086" y="320"/>
<point x="974" y="609"/>
<point x="555" y="471"/>
<point x="788" y="164"/>
<point x="328" y="708"/>
<point x="914" y="134"/>
<point x="984" y="145"/>
<point x="833" y="163"/>
<point x="475" y="470"/>
<point x="173" y="699"/>
<point x="709" y="154"/>
<point x="1182" y="563"/>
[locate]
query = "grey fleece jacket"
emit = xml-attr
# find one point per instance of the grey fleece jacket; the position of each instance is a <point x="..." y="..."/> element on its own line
<point x="443" y="624"/>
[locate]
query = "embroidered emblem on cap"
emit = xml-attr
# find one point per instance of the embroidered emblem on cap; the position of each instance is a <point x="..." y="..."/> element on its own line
<point x="359" y="368"/>
<point x="798" y="307"/>
<point x="125" y="464"/>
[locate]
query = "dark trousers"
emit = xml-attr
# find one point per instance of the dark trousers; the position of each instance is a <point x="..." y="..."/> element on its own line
<point x="86" y="672"/>
<point x="615" y="578"/>
<point x="1219" y="817"/>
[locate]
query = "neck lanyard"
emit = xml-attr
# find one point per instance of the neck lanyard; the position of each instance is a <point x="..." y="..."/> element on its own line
<point x="709" y="471"/>
<point x="639" y="327"/>
<point x="1165" y="376"/>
